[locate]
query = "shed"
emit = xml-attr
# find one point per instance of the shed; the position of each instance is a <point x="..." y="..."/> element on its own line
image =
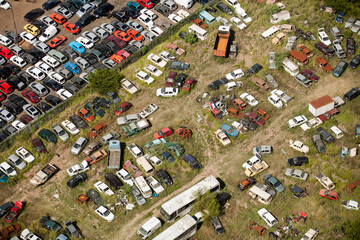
<point x="280" y="16"/>
<point x="321" y="105"/>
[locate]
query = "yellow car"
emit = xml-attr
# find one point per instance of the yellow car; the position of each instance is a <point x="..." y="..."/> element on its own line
<point x="32" y="29"/>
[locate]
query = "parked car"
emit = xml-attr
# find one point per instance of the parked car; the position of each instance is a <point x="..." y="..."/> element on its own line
<point x="299" y="146"/>
<point x="267" y="217"/>
<point x="296" y="173"/>
<point x="318" y="143"/>
<point x="38" y="144"/>
<point x="340" y="68"/>
<point x="298" y="161"/>
<point x="329" y="194"/>
<point x="325" y="135"/>
<point x="164" y="177"/>
<point x="273" y="182"/>
<point x="296" y="121"/>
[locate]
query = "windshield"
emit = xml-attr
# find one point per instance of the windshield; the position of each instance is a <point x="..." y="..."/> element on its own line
<point x="18" y="161"/>
<point x="77" y="145"/>
<point x="88" y="114"/>
<point x="143" y="231"/>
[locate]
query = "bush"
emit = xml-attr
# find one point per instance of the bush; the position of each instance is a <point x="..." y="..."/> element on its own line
<point x="191" y="38"/>
<point x="347" y="33"/>
<point x="105" y="80"/>
<point x="270" y="10"/>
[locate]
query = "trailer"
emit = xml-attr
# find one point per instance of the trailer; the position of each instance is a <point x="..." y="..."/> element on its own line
<point x="221" y="42"/>
<point x="44" y="174"/>
<point x="114" y="156"/>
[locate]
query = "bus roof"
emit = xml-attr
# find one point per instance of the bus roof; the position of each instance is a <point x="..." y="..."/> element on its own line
<point x="177" y="228"/>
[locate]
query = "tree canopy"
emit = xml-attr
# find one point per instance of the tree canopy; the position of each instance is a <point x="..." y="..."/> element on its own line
<point x="105" y="80"/>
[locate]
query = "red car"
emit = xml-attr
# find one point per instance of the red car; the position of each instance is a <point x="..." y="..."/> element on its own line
<point x="26" y="119"/>
<point x="122" y="35"/>
<point x="58" y="18"/>
<point x="163" y="133"/>
<point x="332" y="195"/>
<point x="117" y="41"/>
<point x="135" y="35"/>
<point x="310" y="75"/>
<point x="31" y="96"/>
<point x="123" y="54"/>
<point x="14" y="212"/>
<point x="6" y="53"/>
<point x="169" y="81"/>
<point x="255" y="118"/>
<point x="5" y="87"/>
<point x="190" y="83"/>
<point x="71" y="28"/>
<point x="56" y="41"/>
<point x="123" y="108"/>
<point x="38" y="144"/>
<point x="2" y="96"/>
<point x="86" y="114"/>
<point x="116" y="58"/>
<point x="146" y="3"/>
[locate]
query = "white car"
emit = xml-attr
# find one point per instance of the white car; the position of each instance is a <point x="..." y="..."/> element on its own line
<point x="222" y="137"/>
<point x="87" y="43"/>
<point x="81" y="62"/>
<point x="5" y="40"/>
<point x="155" y="160"/>
<point x="70" y="127"/>
<point x="147" y="111"/>
<point x="78" y="168"/>
<point x="27" y="235"/>
<point x="268" y="217"/>
<point x="231" y="85"/>
<point x="153" y="70"/>
<point x="143" y="76"/>
<point x="182" y="13"/>
<point x="51" y="61"/>
<point x="108" y="27"/>
<point x="238" y="73"/>
<point x="250" y="99"/>
<point x="31" y="110"/>
<point x="148" y="13"/>
<point x="79" y="145"/>
<point x="166" y="56"/>
<point x="41" y="46"/>
<point x="102" y="187"/>
<point x="28" y="37"/>
<point x="48" y="21"/>
<point x="276" y="101"/>
<point x="105" y="213"/>
<point x="18" y="124"/>
<point x="25" y="155"/>
<point x="64" y="94"/>
<point x="6" y="115"/>
<point x="60" y="132"/>
<point x="85" y="9"/>
<point x="49" y="32"/>
<point x="156" y="60"/>
<point x="109" y="63"/>
<point x="125" y="176"/>
<point x="7" y="169"/>
<point x="135" y="150"/>
<point x="155" y="30"/>
<point x="252" y="161"/>
<point x="174" y="18"/>
<point x="241" y="13"/>
<point x="16" y="162"/>
<point x="91" y="36"/>
<point x="44" y="67"/>
<point x="299" y="146"/>
<point x="146" y="20"/>
<point x="296" y="121"/>
<point x="233" y="3"/>
<point x="18" y="61"/>
<point x="296" y="173"/>
<point x="57" y="77"/>
<point x="238" y="23"/>
<point x="63" y="12"/>
<point x="101" y="32"/>
<point x="167" y="92"/>
<point x="155" y="185"/>
<point x="129" y="86"/>
<point x="356" y="26"/>
<point x="324" y="38"/>
<point x="277" y="92"/>
<point x="4" y="5"/>
<point x="314" y="122"/>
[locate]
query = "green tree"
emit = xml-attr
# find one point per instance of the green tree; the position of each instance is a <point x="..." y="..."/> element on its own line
<point x="190" y="38"/>
<point x="351" y="229"/>
<point x="209" y="203"/>
<point x="347" y="33"/>
<point x="105" y="80"/>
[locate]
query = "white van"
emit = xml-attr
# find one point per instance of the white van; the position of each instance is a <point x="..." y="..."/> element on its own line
<point x="290" y="67"/>
<point x="200" y="33"/>
<point x="261" y="195"/>
<point x="269" y="32"/>
<point x="338" y="133"/>
<point x="143" y="162"/>
<point x="185" y="3"/>
<point x="144" y="188"/>
<point x="148" y="228"/>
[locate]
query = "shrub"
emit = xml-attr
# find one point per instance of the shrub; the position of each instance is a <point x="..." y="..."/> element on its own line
<point x="191" y="38"/>
<point x="105" y="80"/>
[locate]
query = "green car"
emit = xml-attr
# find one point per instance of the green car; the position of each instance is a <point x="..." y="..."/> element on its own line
<point x="47" y="135"/>
<point x="58" y="56"/>
<point x="178" y="149"/>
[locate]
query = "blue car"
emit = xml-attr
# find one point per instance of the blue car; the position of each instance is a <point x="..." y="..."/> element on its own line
<point x="3" y="177"/>
<point x="72" y="67"/>
<point x="340" y="17"/>
<point x="76" y="46"/>
<point x="134" y="5"/>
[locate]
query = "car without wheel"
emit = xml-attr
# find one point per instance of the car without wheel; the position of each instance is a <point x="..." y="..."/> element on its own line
<point x="299" y="146"/>
<point x="296" y="173"/>
<point x="38" y="144"/>
<point x="298" y="161"/>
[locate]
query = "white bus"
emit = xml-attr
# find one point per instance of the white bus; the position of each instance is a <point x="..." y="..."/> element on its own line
<point x="269" y="32"/>
<point x="181" y="204"/>
<point x="290" y="67"/>
<point x="200" y="33"/>
<point x="181" y="230"/>
<point x="144" y="188"/>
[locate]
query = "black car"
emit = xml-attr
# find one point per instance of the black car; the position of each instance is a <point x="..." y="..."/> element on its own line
<point x="121" y="15"/>
<point x="103" y="10"/>
<point x="179" y="65"/>
<point x="72" y="230"/>
<point x="180" y="79"/>
<point x="104" y="49"/>
<point x="131" y="12"/>
<point x="33" y="14"/>
<point x="167" y="156"/>
<point x="218" y="227"/>
<point x="16" y="82"/>
<point x="298" y="191"/>
<point x="90" y="58"/>
<point x="71" y="88"/>
<point x="37" y="53"/>
<point x="68" y="52"/>
<point x="69" y="7"/>
<point x="5" y="208"/>
<point x="16" y="38"/>
<point x="17" y="100"/>
<point x="13" y="108"/>
<point x="44" y="107"/>
<point x="102" y="102"/>
<point x="79" y="82"/>
<point x="164" y="177"/>
<point x="99" y="65"/>
<point x="318" y="143"/>
<point x="78" y="121"/>
<point x="49" y="224"/>
<point x="120" y="25"/>
<point x="30" y="58"/>
<point x="13" y="69"/>
<point x="298" y="161"/>
<point x="130" y="49"/>
<point x="224" y="8"/>
<point x="95" y="197"/>
<point x="350" y="45"/>
<point x="53" y="100"/>
<point x="40" y="25"/>
<point x="52" y="84"/>
<point x="183" y="34"/>
<point x="194" y="164"/>
<point x="325" y="135"/>
<point x="76" y="3"/>
<point x="223" y="198"/>
<point x="353" y="93"/>
<point x="355" y="61"/>
<point x="113" y="180"/>
<point x="217" y="83"/>
<point x="3" y="136"/>
<point x="85" y="20"/>
<point x="114" y="47"/>
<point x="114" y="97"/>
<point x="254" y="69"/>
<point x="4" y="73"/>
<point x="165" y="11"/>
<point x="76" y="180"/>
<point x="49" y="4"/>
<point x="27" y="78"/>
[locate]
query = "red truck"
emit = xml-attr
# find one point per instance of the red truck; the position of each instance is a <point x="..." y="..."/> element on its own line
<point x="221" y="42"/>
<point x="14" y="212"/>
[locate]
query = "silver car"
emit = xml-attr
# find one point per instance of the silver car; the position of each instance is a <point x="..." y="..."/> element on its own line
<point x="31" y="110"/>
<point x="60" y="132"/>
<point x="137" y="196"/>
<point x="82" y="62"/>
<point x="100" y="32"/>
<point x="6" y="115"/>
<point x="16" y="162"/>
<point x="91" y="36"/>
<point x="39" y="88"/>
<point x="296" y="173"/>
<point x="79" y="145"/>
<point x="41" y="46"/>
<point x="85" y="9"/>
<point x="136" y="26"/>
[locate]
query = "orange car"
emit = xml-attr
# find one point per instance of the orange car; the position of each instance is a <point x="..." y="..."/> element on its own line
<point x="323" y="64"/>
<point x="116" y="58"/>
<point x="86" y="114"/>
<point x="122" y="35"/>
<point x="135" y="35"/>
<point x="70" y="27"/>
<point x="58" y="18"/>
<point x="56" y="41"/>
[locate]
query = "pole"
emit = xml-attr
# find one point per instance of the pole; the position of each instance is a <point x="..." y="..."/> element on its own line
<point x="12" y="14"/>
